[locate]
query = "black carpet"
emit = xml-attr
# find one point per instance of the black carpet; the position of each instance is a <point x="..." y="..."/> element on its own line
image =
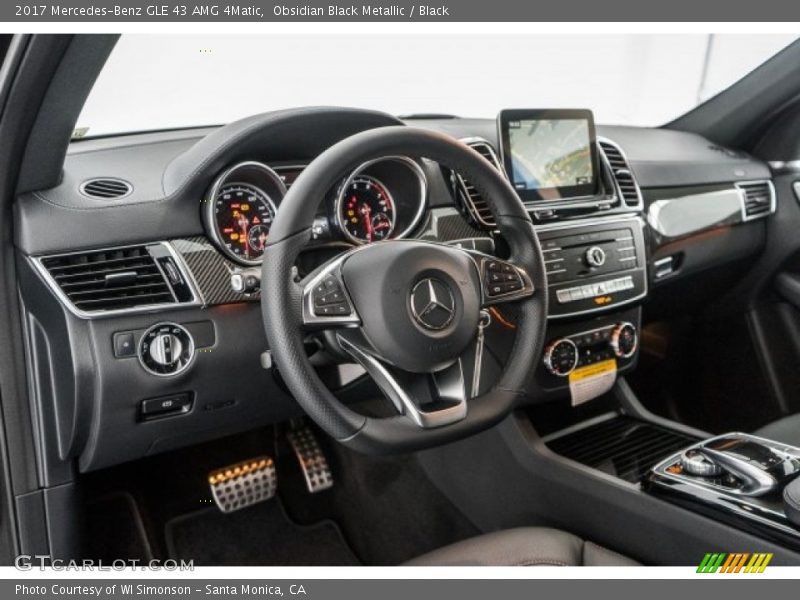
<point x="261" y="535"/>
<point x="388" y="509"/>
<point x="116" y="512"/>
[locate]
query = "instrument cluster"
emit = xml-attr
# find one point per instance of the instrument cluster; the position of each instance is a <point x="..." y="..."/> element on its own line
<point x="383" y="199"/>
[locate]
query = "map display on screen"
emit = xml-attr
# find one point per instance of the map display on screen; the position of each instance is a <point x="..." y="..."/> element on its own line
<point x="550" y="153"/>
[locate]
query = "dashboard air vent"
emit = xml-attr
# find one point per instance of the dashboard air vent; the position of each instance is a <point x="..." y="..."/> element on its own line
<point x="476" y="206"/>
<point x="107" y="188"/>
<point x="758" y="198"/>
<point x="116" y="279"/>
<point x="623" y="176"/>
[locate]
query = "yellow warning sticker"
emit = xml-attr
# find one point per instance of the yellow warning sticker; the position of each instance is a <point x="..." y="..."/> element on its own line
<point x="592" y="381"/>
<point x="600" y="368"/>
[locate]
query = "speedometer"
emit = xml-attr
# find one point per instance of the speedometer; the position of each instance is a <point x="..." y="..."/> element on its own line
<point x="243" y="215"/>
<point x="239" y="208"/>
<point x="365" y="210"/>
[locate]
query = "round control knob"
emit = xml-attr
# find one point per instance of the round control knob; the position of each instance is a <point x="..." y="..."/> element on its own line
<point x="561" y="357"/>
<point x="595" y="256"/>
<point x="694" y="463"/>
<point x="624" y="340"/>
<point x="166" y="349"/>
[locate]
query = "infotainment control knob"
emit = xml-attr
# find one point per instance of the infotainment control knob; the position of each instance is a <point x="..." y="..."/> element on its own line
<point x="595" y="256"/>
<point x="166" y="349"/>
<point x="624" y="340"/>
<point x="561" y="357"/>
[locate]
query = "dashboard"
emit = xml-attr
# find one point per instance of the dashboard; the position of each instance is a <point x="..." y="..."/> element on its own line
<point x="153" y="228"/>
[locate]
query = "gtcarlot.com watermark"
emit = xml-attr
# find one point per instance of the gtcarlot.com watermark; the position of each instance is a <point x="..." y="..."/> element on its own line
<point x="28" y="562"/>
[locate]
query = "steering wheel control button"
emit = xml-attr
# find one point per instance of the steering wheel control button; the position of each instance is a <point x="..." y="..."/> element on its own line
<point x="166" y="349"/>
<point x="329" y="299"/>
<point x="165" y="406"/>
<point x="433" y="304"/>
<point x="501" y="278"/>
<point x="561" y="357"/>
<point x="124" y="344"/>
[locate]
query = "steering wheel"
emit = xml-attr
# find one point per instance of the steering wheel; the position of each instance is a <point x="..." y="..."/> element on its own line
<point x="405" y="310"/>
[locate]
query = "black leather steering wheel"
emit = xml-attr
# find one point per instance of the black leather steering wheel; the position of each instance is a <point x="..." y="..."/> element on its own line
<point x="405" y="310"/>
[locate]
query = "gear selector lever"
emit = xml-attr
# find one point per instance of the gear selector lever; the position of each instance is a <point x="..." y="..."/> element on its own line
<point x="758" y="467"/>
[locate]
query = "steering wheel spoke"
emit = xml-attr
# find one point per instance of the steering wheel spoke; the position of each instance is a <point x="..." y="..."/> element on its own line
<point x="429" y="399"/>
<point x="326" y="302"/>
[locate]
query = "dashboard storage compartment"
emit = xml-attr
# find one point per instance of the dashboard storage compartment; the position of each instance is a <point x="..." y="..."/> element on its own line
<point x="618" y="445"/>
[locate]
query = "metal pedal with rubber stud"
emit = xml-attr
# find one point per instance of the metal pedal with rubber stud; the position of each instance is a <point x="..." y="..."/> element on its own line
<point x="243" y="484"/>
<point x="311" y="458"/>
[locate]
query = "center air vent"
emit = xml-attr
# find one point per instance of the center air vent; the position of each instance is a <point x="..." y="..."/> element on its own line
<point x="475" y="205"/>
<point x="758" y="199"/>
<point x="107" y="188"/>
<point x="623" y="176"/>
<point x="134" y="277"/>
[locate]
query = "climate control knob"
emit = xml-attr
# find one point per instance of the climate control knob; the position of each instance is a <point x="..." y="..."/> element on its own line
<point x="166" y="349"/>
<point x="561" y="357"/>
<point x="624" y="340"/>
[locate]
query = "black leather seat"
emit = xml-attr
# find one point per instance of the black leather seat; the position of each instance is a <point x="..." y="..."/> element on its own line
<point x="785" y="430"/>
<point x="525" y="546"/>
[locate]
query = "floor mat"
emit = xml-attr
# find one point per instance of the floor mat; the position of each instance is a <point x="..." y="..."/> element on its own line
<point x="261" y="535"/>
<point x="116" y="512"/>
<point x="388" y="509"/>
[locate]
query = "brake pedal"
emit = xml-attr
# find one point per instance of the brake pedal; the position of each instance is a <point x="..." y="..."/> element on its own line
<point x="243" y="484"/>
<point x="311" y="458"/>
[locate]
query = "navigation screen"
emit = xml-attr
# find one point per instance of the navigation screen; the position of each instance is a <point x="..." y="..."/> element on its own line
<point x="549" y="155"/>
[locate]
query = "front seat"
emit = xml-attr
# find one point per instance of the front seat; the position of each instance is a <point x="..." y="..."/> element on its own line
<point x="524" y="546"/>
<point x="785" y="430"/>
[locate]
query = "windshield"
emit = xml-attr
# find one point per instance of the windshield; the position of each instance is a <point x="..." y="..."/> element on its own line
<point x="153" y="82"/>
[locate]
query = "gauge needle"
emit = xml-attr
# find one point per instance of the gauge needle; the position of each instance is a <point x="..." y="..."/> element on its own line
<point x="243" y="222"/>
<point x="366" y="211"/>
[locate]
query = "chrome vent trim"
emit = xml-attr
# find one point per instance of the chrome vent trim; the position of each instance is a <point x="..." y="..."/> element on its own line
<point x="106" y="188"/>
<point x="119" y="280"/>
<point x="758" y="199"/>
<point x="476" y="206"/>
<point x="627" y="188"/>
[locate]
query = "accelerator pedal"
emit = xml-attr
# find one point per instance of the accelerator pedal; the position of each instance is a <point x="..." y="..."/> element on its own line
<point x="312" y="461"/>
<point x="243" y="484"/>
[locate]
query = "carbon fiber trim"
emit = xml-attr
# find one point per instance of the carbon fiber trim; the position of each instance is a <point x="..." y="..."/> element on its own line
<point x="447" y="225"/>
<point x="211" y="271"/>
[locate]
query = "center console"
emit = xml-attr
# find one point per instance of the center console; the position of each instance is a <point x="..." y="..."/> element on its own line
<point x="739" y="478"/>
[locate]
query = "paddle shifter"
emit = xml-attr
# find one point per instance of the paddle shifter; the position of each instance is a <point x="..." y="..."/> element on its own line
<point x="742" y="464"/>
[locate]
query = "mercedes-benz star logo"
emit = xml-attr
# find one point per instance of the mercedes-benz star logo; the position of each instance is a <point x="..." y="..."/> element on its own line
<point x="432" y="304"/>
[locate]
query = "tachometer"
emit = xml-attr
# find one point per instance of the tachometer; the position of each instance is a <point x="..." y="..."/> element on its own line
<point x="365" y="210"/>
<point x="243" y="215"/>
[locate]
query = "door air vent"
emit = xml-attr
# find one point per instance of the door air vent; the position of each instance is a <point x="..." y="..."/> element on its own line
<point x="623" y="176"/>
<point x="107" y="188"/>
<point x="101" y="282"/>
<point x="758" y="199"/>
<point x="475" y="205"/>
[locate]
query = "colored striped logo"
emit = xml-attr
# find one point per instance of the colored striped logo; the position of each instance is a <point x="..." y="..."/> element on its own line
<point x="738" y="562"/>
